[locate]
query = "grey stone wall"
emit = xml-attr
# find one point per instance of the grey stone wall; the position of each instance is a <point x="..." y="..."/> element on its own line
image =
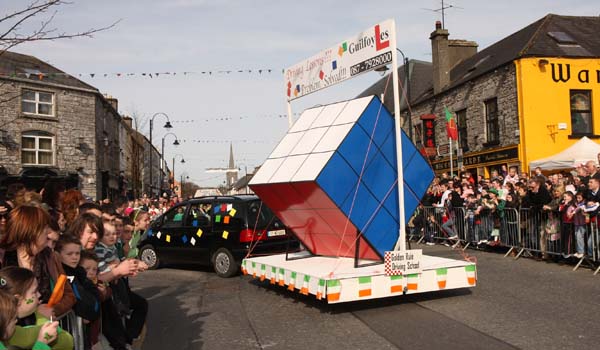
<point x="500" y="84"/>
<point x="73" y="121"/>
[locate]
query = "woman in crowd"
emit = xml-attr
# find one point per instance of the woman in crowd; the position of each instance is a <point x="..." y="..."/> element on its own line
<point x="25" y="244"/>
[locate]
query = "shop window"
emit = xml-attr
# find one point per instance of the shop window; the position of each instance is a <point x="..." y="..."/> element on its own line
<point x="492" y="130"/>
<point x="419" y="134"/>
<point x="37" y="102"/>
<point x="581" y="112"/>
<point x="461" y="117"/>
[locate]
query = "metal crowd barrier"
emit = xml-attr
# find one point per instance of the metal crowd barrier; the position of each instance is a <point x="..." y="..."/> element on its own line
<point x="74" y="325"/>
<point x="522" y="231"/>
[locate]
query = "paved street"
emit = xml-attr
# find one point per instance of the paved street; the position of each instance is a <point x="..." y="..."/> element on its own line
<point x="521" y="304"/>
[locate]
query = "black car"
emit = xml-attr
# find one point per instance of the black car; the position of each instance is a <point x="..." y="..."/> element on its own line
<point x="217" y="231"/>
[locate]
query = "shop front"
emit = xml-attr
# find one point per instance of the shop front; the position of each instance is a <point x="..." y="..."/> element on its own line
<point x="482" y="163"/>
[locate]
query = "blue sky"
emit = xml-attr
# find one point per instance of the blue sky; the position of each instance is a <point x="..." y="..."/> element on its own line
<point x="220" y="35"/>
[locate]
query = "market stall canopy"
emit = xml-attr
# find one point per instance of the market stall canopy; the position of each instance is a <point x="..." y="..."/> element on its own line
<point x="582" y="151"/>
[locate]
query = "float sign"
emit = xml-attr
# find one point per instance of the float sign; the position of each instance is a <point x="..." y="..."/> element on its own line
<point x="365" y="52"/>
<point x="403" y="262"/>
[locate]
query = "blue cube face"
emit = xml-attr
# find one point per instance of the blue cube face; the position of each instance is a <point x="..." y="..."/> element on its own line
<point x="343" y="157"/>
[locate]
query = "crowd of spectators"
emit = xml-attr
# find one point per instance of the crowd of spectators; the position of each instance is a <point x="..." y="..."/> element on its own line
<point x="557" y="207"/>
<point x="62" y="254"/>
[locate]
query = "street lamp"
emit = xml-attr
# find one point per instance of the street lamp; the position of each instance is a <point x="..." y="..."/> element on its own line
<point x="182" y="162"/>
<point x="162" y="156"/>
<point x="167" y="126"/>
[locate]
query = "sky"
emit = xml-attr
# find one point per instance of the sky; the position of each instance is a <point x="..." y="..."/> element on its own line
<point x="211" y="110"/>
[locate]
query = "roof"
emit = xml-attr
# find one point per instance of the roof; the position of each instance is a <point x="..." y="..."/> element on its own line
<point x="26" y="67"/>
<point x="420" y="73"/>
<point x="551" y="36"/>
<point x="243" y="182"/>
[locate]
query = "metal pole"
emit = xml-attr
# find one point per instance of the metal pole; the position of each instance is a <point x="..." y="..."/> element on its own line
<point x="151" y="146"/>
<point x="407" y="74"/>
<point x="451" y="164"/>
<point x="246" y="170"/>
<point x="173" y="173"/>
<point x="401" y="243"/>
<point x="162" y="170"/>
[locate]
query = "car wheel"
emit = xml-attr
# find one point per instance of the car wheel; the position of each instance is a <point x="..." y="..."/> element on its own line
<point x="150" y="257"/>
<point x="224" y="263"/>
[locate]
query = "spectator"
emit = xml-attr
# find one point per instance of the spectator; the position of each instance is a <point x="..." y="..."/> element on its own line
<point x="21" y="284"/>
<point x="69" y="205"/>
<point x="512" y="176"/>
<point x="26" y="245"/>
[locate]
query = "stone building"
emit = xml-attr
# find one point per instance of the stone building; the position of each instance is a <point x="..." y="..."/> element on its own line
<point x="54" y="126"/>
<point x="509" y="100"/>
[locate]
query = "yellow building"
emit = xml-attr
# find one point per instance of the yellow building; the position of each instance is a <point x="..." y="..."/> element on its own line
<point x="559" y="101"/>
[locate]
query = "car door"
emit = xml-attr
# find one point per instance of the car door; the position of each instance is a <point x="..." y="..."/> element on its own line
<point x="171" y="232"/>
<point x="198" y="229"/>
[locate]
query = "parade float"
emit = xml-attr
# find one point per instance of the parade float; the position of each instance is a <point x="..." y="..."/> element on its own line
<point x="334" y="180"/>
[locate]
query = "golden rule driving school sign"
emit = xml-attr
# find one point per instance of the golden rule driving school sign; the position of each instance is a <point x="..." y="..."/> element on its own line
<point x="362" y="53"/>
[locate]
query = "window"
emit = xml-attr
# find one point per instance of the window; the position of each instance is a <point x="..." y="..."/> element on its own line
<point x="37" y="148"/>
<point x="492" y="131"/>
<point x="461" y="117"/>
<point x="37" y="102"/>
<point x="581" y="112"/>
<point x="174" y="217"/>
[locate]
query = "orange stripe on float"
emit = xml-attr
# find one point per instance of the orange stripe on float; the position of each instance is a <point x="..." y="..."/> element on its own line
<point x="396" y="289"/>
<point x="412" y="286"/>
<point x="333" y="296"/>
<point x="364" y="292"/>
<point x="304" y="291"/>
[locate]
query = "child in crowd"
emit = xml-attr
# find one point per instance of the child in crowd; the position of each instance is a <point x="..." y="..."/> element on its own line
<point x="580" y="219"/>
<point x="87" y="305"/>
<point x="22" y="286"/>
<point x="89" y="262"/>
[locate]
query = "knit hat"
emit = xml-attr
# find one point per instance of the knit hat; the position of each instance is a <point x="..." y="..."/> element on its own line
<point x="494" y="191"/>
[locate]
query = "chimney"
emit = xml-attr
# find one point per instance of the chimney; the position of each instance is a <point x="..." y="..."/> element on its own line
<point x="128" y="121"/>
<point x="440" y="58"/>
<point x="113" y="102"/>
<point x="459" y="50"/>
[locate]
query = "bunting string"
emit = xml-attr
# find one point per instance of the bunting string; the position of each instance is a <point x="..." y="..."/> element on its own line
<point x="36" y="74"/>
<point x="219" y="141"/>
<point x="234" y="118"/>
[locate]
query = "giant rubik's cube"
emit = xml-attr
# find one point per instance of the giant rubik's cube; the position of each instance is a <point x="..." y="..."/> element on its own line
<point x="334" y="175"/>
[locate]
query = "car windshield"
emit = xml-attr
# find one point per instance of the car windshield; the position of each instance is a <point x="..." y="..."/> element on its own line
<point x="261" y="216"/>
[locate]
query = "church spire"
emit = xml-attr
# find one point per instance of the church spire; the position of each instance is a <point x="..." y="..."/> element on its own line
<point x="231" y="162"/>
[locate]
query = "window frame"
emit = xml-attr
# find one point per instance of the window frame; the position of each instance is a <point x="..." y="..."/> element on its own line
<point x="573" y="92"/>
<point x="492" y="122"/>
<point x="37" y="103"/>
<point x="37" y="136"/>
<point x="461" y="124"/>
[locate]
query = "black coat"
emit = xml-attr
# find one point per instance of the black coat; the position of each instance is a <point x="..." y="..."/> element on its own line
<point x="536" y="200"/>
<point x="87" y="305"/>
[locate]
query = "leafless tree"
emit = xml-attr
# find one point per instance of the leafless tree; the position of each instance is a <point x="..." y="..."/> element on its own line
<point x="12" y="24"/>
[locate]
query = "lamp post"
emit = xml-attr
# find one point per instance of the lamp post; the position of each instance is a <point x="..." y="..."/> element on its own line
<point x="167" y="126"/>
<point x="162" y="156"/>
<point x="182" y="162"/>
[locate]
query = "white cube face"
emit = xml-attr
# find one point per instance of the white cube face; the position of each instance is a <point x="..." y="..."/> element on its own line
<point x="306" y="119"/>
<point x="266" y="171"/>
<point x="288" y="169"/>
<point x="333" y="138"/>
<point x="310" y="170"/>
<point x="352" y="111"/>
<point x="287" y="144"/>
<point x="328" y="115"/>
<point x="309" y="141"/>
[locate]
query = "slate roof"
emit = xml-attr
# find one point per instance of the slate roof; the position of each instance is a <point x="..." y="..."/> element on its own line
<point x="17" y="65"/>
<point x="535" y="40"/>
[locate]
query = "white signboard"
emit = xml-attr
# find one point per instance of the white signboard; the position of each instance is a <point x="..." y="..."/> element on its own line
<point x="366" y="51"/>
<point x="403" y="262"/>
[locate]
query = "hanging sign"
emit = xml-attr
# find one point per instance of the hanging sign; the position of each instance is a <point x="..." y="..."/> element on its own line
<point x="362" y="53"/>
<point x="403" y="262"/>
